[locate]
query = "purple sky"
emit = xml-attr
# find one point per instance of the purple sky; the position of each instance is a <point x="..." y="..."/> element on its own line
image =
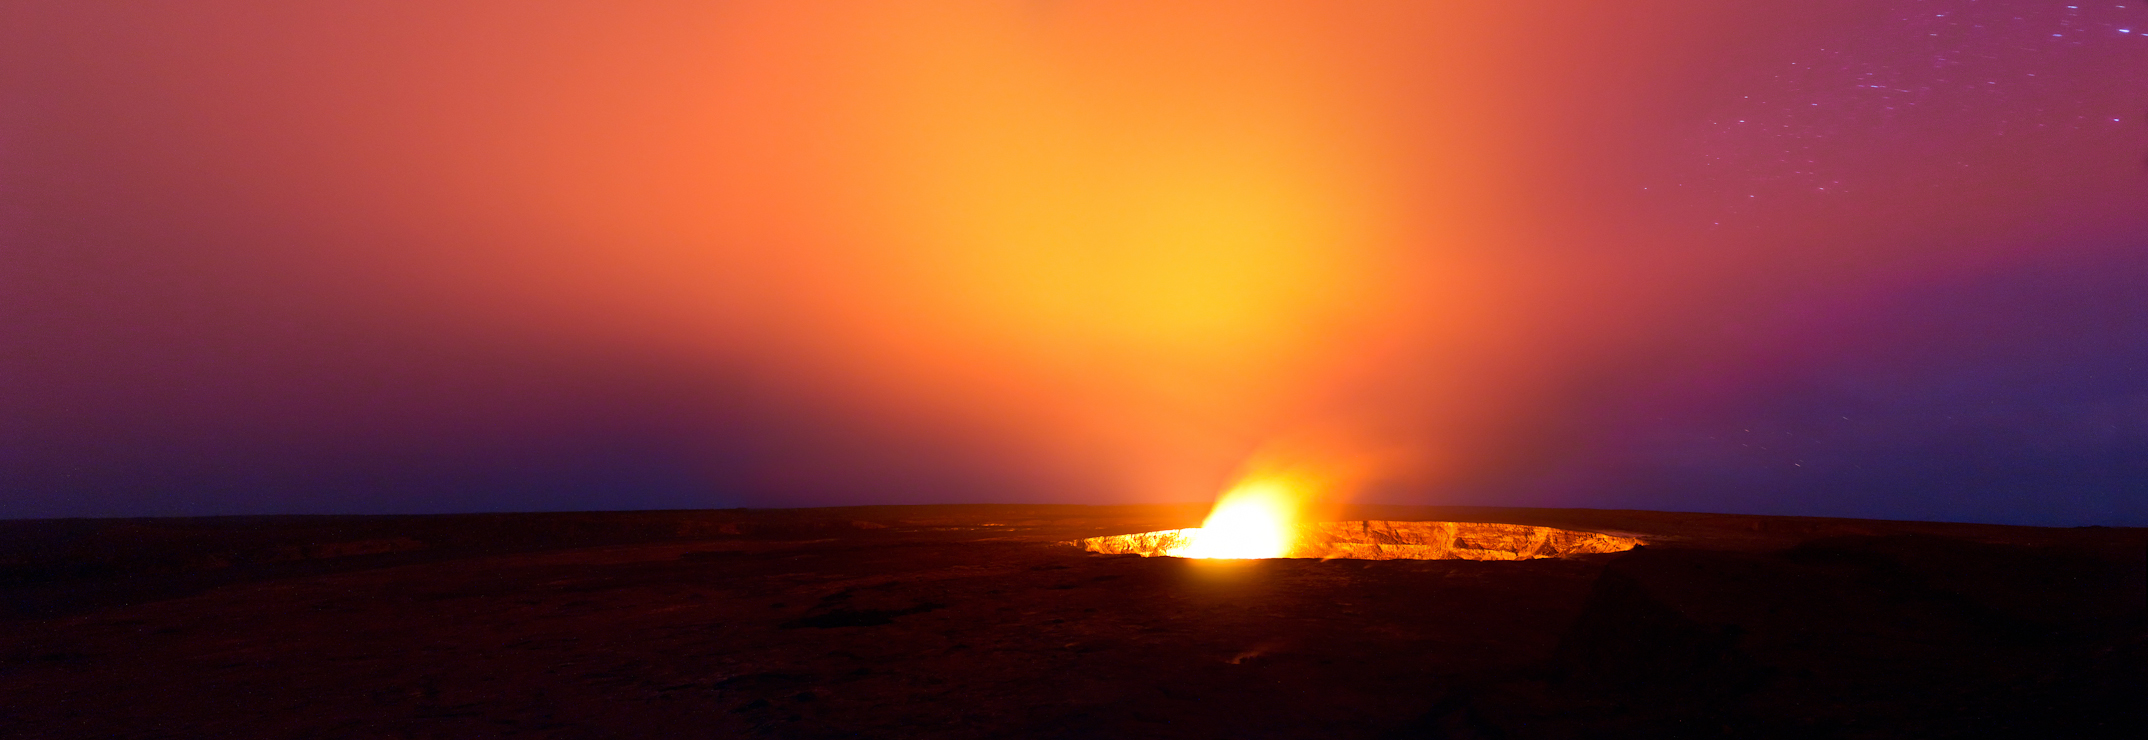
<point x="1865" y="259"/>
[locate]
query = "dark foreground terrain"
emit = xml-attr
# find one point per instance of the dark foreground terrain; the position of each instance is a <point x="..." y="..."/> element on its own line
<point x="972" y="621"/>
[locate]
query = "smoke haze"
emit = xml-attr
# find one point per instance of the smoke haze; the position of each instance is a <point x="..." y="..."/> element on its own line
<point x="1834" y="258"/>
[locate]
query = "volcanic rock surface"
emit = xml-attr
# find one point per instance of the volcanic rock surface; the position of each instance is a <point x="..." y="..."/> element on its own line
<point x="980" y="622"/>
<point x="1381" y="540"/>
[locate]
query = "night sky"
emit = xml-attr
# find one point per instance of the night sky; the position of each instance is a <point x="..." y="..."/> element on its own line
<point x="1883" y="258"/>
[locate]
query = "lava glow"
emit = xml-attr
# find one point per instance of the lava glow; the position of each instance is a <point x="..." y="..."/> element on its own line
<point x="1257" y="519"/>
<point x="413" y="256"/>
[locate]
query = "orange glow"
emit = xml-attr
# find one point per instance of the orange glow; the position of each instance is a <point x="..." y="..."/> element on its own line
<point x="1146" y="235"/>
<point x="821" y="252"/>
<point x="1286" y="484"/>
<point x="1388" y="540"/>
<point x="1256" y="519"/>
<point x="1114" y="246"/>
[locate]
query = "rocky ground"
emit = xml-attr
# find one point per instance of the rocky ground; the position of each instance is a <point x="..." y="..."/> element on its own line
<point x="978" y="621"/>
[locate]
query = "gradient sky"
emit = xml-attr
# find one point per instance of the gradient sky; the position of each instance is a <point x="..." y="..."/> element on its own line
<point x="1881" y="258"/>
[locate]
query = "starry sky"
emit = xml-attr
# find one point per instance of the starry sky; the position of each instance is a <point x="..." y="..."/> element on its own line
<point x="1832" y="258"/>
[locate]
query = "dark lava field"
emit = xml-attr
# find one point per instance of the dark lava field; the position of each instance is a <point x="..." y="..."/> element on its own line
<point x="981" y="622"/>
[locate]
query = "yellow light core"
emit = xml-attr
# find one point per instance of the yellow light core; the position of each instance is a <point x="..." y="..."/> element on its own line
<point x="1254" y="520"/>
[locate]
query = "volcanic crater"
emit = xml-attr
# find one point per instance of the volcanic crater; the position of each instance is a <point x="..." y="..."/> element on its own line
<point x="1385" y="540"/>
<point x="982" y="622"/>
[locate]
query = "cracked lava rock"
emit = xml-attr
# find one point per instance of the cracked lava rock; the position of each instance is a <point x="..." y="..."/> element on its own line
<point x="1381" y="540"/>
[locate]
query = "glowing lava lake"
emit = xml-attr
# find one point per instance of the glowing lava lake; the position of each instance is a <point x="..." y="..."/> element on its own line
<point x="1374" y="540"/>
